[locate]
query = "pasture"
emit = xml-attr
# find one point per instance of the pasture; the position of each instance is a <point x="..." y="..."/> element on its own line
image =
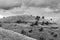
<point x="26" y="26"/>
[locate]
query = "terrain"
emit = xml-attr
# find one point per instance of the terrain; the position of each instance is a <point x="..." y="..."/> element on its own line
<point x="16" y="26"/>
<point x="25" y="25"/>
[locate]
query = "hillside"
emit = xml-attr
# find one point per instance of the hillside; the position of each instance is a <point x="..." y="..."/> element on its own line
<point x="11" y="35"/>
<point x="26" y="26"/>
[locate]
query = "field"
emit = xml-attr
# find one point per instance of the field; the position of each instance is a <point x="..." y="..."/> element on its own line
<point x="25" y="25"/>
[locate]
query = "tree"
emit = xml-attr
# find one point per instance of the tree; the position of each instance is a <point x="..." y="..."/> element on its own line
<point x="36" y="23"/>
<point x="30" y="31"/>
<point x="18" y="21"/>
<point x="37" y="17"/>
<point x="43" y="17"/>
<point x="41" y="29"/>
<point x="51" y="19"/>
<point x="52" y="33"/>
<point x="0" y="25"/>
<point x="41" y="38"/>
<point x="47" y="23"/>
<point x="23" y="32"/>
<point x="43" y="23"/>
<point x="32" y="24"/>
<point x="55" y="35"/>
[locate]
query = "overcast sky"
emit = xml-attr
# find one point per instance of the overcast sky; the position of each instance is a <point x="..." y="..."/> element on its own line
<point x="36" y="3"/>
<point x="10" y="7"/>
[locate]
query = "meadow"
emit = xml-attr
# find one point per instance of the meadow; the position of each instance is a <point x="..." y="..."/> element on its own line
<point x="26" y="25"/>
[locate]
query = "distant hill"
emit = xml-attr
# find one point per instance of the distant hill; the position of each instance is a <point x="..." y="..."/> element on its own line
<point x="15" y="18"/>
<point x="23" y="18"/>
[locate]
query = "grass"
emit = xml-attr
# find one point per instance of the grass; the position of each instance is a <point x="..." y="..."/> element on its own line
<point x="11" y="35"/>
<point x="11" y="24"/>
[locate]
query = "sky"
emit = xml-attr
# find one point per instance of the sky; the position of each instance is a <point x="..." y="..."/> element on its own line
<point x="18" y="7"/>
<point x="7" y="4"/>
<point x="38" y="3"/>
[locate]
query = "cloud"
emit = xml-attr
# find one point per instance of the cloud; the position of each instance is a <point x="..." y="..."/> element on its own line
<point x="43" y="3"/>
<point x="7" y="4"/>
<point x="11" y="4"/>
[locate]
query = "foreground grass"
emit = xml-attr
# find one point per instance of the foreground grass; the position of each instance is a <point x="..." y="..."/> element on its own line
<point x="35" y="30"/>
<point x="11" y="35"/>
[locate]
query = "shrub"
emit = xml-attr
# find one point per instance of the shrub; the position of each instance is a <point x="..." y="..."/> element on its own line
<point x="23" y="32"/>
<point x="43" y="23"/>
<point x="37" y="17"/>
<point x="41" y="38"/>
<point x="18" y="21"/>
<point x="30" y="31"/>
<point x="36" y="23"/>
<point x="41" y="29"/>
<point x="55" y="35"/>
<point x="43" y="17"/>
<point x="0" y="25"/>
<point x="51" y="19"/>
<point x="54" y="27"/>
<point x="52" y="33"/>
<point x="47" y="23"/>
<point x="32" y="25"/>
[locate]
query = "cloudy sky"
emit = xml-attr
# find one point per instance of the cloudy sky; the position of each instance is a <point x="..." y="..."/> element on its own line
<point x="36" y="3"/>
<point x="49" y="8"/>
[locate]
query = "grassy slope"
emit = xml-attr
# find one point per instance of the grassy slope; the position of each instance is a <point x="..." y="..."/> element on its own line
<point x="15" y="18"/>
<point x="35" y="34"/>
<point x="14" y="35"/>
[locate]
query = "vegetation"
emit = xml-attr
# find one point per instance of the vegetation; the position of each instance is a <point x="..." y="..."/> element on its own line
<point x="42" y="38"/>
<point x="34" y="27"/>
<point x="43" y="17"/>
<point x="23" y="32"/>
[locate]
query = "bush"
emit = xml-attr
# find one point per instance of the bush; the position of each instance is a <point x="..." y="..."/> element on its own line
<point x="23" y="32"/>
<point x="36" y="23"/>
<point x="55" y="35"/>
<point x="43" y="17"/>
<point x="37" y="17"/>
<point x="52" y="33"/>
<point x="41" y="29"/>
<point x="0" y="25"/>
<point x="54" y="27"/>
<point x="30" y="31"/>
<point x="47" y="23"/>
<point x="19" y="21"/>
<point x="43" y="23"/>
<point x="41" y="38"/>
